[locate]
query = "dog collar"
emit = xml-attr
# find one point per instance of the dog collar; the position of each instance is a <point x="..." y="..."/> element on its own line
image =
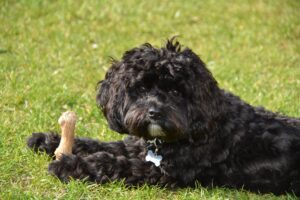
<point x="153" y="147"/>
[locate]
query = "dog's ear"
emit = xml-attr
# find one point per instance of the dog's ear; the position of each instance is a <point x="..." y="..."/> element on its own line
<point x="110" y="97"/>
<point x="206" y="104"/>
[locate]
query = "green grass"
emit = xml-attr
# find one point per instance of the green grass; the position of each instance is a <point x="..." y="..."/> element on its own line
<point x="48" y="65"/>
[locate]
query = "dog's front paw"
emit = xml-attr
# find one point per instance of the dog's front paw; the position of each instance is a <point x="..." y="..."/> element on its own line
<point x="43" y="142"/>
<point x="71" y="166"/>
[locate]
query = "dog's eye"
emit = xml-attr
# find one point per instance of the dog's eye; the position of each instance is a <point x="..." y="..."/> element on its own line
<point x="174" y="92"/>
<point x="141" y="89"/>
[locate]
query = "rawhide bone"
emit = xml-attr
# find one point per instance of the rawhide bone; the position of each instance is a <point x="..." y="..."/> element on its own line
<point x="67" y="123"/>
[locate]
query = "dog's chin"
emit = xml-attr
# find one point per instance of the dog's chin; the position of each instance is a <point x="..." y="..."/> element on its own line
<point x="156" y="131"/>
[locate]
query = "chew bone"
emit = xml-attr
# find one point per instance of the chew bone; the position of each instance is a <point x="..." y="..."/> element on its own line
<point x="67" y="123"/>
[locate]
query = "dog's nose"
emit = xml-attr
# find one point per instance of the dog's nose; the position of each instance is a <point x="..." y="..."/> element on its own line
<point x="154" y="113"/>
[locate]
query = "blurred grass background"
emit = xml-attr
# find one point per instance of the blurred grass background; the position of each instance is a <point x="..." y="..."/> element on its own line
<point x="52" y="54"/>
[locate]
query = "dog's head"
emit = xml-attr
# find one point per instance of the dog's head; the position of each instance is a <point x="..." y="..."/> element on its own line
<point x="164" y="93"/>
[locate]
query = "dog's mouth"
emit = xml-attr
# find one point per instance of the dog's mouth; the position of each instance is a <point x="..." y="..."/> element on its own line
<point x="165" y="128"/>
<point x="155" y="130"/>
<point x="163" y="131"/>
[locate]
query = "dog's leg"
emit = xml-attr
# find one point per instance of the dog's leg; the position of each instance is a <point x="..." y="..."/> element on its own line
<point x="87" y="146"/>
<point x="44" y="142"/>
<point x="102" y="167"/>
<point x="48" y="142"/>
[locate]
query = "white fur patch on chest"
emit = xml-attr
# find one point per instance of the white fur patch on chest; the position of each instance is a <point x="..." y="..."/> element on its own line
<point x="152" y="157"/>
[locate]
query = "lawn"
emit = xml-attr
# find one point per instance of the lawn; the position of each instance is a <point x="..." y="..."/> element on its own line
<point x="52" y="54"/>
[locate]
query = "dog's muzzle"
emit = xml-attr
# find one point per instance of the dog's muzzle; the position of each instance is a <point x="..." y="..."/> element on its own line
<point x="155" y="130"/>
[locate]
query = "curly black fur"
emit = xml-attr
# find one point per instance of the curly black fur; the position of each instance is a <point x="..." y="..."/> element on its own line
<point x="209" y="135"/>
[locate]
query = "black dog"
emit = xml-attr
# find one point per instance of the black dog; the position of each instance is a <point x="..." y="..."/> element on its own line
<point x="183" y="128"/>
